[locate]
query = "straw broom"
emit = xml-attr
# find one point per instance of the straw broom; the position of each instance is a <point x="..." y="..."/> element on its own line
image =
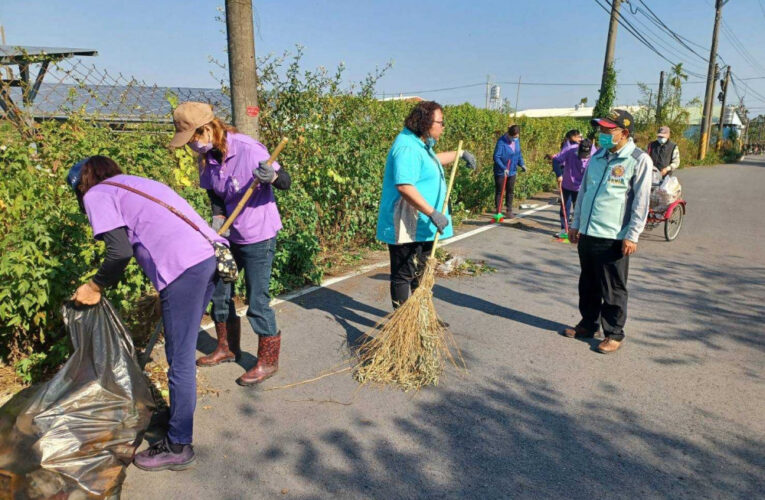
<point x="409" y="346"/>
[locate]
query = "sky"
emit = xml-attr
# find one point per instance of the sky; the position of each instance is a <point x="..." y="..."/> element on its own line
<point x="432" y="44"/>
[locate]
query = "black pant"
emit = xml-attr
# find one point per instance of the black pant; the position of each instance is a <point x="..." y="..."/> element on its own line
<point x="603" y="285"/>
<point x="407" y="262"/>
<point x="509" y="182"/>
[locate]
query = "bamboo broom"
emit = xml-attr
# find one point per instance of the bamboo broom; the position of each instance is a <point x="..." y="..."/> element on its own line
<point x="408" y="347"/>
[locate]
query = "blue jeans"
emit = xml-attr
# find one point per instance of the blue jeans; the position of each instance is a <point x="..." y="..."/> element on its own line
<point x="256" y="260"/>
<point x="184" y="302"/>
<point x="569" y="198"/>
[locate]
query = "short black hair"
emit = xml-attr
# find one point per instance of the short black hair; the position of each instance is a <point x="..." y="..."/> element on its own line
<point x="585" y="147"/>
<point x="573" y="132"/>
<point x="513" y="130"/>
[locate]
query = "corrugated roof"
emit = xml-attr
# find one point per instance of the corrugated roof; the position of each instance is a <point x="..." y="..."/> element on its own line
<point x="13" y="54"/>
<point x="120" y="103"/>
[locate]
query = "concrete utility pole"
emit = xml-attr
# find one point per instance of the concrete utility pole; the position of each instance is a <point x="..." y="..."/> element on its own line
<point x="659" y="98"/>
<point x="724" y="85"/>
<point x="241" y="67"/>
<point x="706" y="118"/>
<point x="488" y="85"/>
<point x="711" y="106"/>
<point x="611" y="42"/>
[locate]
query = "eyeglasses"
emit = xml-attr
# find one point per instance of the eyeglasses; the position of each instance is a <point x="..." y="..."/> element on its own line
<point x="442" y="122"/>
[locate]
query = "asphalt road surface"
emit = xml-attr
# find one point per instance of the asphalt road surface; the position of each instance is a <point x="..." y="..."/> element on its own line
<point x="678" y="412"/>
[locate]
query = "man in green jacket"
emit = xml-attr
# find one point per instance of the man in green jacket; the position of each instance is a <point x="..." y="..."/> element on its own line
<point x="609" y="216"/>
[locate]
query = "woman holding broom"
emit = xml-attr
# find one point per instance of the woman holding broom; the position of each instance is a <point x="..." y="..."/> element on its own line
<point x="229" y="163"/>
<point x="414" y="188"/>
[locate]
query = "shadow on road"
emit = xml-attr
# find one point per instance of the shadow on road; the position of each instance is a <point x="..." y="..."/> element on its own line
<point x="478" y="304"/>
<point x="517" y="437"/>
<point x="347" y="311"/>
<point x="710" y="303"/>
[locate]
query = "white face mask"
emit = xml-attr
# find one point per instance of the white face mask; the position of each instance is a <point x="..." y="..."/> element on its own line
<point x="662" y="140"/>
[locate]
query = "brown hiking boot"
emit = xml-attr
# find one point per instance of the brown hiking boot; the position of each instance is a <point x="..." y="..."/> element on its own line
<point x="268" y="361"/>
<point x="577" y="333"/>
<point x="222" y="352"/>
<point x="609" y="345"/>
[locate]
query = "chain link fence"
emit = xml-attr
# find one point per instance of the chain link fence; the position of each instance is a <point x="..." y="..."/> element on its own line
<point x="72" y="86"/>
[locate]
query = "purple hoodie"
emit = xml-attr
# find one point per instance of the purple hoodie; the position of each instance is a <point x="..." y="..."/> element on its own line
<point x="573" y="167"/>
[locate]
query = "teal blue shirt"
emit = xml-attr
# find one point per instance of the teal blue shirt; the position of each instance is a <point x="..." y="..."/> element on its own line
<point x="410" y="161"/>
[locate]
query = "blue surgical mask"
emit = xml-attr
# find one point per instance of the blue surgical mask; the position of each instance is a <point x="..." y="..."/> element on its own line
<point x="200" y="148"/>
<point x="606" y="140"/>
<point x="662" y="140"/>
<point x="430" y="142"/>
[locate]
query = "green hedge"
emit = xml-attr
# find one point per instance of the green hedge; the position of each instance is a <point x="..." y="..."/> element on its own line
<point x="336" y="158"/>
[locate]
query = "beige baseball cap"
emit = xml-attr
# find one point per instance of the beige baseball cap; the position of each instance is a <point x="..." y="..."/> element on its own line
<point x="187" y="118"/>
<point x="663" y="132"/>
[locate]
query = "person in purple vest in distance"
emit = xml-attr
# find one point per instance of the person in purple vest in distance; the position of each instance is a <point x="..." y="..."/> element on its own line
<point x="570" y="141"/>
<point x="177" y="258"/>
<point x="572" y="164"/>
<point x="229" y="162"/>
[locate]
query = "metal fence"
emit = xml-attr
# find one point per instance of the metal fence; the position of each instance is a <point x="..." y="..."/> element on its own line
<point x="72" y="86"/>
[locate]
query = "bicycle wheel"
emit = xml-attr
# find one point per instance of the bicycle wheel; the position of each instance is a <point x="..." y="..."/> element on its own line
<point x="674" y="222"/>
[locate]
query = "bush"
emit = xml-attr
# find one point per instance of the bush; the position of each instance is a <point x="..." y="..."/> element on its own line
<point x="336" y="158"/>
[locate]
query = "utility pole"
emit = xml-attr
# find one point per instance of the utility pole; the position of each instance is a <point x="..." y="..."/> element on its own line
<point x="711" y="79"/>
<point x="711" y="106"/>
<point x="659" y="98"/>
<point x="611" y="42"/>
<point x="241" y="67"/>
<point x="517" y="96"/>
<point x="488" y="85"/>
<point x="724" y="85"/>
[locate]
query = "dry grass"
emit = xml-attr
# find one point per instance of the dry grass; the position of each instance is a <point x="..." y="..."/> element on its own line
<point x="10" y="383"/>
<point x="409" y="347"/>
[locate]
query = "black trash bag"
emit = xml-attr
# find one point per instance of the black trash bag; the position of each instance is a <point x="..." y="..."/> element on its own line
<point x="81" y="429"/>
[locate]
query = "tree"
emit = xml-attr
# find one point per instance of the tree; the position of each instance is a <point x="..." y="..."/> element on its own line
<point x="607" y="95"/>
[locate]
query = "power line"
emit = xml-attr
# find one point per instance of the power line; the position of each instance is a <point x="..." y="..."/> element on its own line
<point x="758" y="95"/>
<point x="741" y="48"/>
<point x="674" y="34"/>
<point x="666" y="45"/>
<point x="634" y="32"/>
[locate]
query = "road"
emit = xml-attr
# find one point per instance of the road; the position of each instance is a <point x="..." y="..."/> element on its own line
<point x="678" y="412"/>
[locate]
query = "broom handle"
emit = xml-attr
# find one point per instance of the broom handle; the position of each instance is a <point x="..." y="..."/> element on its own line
<point x="251" y="189"/>
<point x="563" y="207"/>
<point x="448" y="193"/>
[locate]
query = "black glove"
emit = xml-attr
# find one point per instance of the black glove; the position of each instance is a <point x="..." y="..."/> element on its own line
<point x="523" y="167"/>
<point x="439" y="220"/>
<point x="469" y="158"/>
<point x="264" y="173"/>
<point x="217" y="223"/>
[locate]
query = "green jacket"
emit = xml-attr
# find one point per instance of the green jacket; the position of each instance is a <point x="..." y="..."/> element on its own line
<point x="614" y="196"/>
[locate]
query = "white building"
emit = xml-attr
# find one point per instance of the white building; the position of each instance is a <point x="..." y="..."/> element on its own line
<point x="578" y="111"/>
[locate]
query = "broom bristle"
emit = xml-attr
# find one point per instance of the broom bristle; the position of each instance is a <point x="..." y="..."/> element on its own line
<point x="409" y="346"/>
